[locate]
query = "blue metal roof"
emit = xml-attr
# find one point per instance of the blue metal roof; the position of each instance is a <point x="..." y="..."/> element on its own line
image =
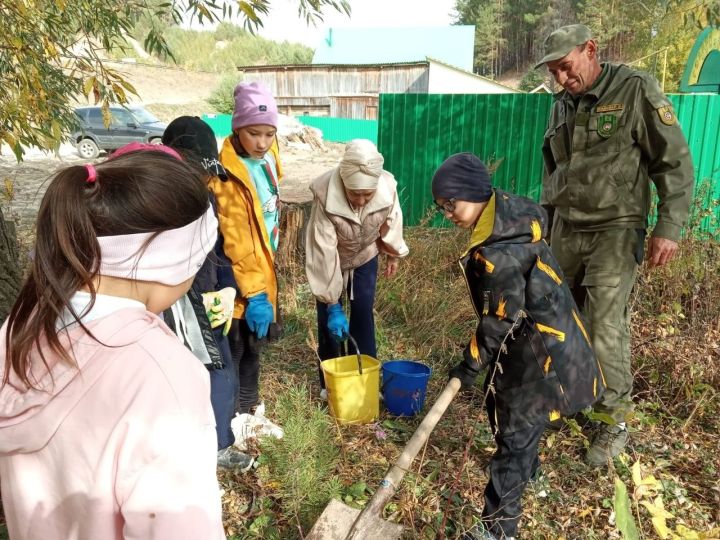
<point x="450" y="44"/>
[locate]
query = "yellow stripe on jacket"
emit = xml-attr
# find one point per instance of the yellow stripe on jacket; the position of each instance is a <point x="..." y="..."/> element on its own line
<point x="246" y="241"/>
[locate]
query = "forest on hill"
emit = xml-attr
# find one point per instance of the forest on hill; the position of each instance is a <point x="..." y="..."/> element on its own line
<point x="509" y="36"/>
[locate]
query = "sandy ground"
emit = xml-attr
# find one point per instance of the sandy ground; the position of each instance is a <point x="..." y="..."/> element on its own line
<point x="167" y="85"/>
<point x="22" y="185"/>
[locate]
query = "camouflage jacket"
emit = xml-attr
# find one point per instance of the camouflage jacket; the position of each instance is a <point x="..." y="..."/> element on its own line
<point x="547" y="367"/>
<point x="601" y="151"/>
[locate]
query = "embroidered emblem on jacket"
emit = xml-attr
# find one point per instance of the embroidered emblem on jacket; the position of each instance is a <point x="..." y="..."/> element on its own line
<point x="607" y="125"/>
<point x="666" y="114"/>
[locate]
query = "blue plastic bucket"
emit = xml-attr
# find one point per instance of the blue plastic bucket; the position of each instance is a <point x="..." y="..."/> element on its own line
<point x="404" y="386"/>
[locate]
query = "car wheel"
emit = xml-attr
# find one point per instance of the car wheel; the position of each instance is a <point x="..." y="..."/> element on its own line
<point x="88" y="149"/>
<point x="156" y="140"/>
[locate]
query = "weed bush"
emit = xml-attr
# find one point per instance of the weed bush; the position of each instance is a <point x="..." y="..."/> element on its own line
<point x="222" y="100"/>
<point x="676" y="320"/>
<point x="425" y="307"/>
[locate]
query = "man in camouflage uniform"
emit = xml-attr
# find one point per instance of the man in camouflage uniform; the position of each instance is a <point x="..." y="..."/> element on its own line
<point x="611" y="131"/>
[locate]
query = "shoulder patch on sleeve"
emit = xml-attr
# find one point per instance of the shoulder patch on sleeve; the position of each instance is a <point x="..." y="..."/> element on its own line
<point x="667" y="115"/>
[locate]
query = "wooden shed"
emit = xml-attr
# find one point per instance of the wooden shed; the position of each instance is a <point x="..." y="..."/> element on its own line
<point x="343" y="91"/>
<point x="352" y="90"/>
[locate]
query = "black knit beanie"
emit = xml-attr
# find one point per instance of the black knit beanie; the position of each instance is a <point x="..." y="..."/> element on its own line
<point x="463" y="177"/>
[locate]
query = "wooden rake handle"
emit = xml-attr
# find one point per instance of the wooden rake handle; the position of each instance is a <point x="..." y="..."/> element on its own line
<point x="394" y="476"/>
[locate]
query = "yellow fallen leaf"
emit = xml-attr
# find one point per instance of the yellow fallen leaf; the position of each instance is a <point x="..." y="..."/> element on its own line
<point x="651" y="482"/>
<point x="659" y="515"/>
<point x="686" y="534"/>
<point x="643" y="486"/>
<point x="713" y="534"/>
<point x="585" y="512"/>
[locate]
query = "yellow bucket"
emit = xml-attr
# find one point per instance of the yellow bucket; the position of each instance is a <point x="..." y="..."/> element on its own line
<point x="353" y="396"/>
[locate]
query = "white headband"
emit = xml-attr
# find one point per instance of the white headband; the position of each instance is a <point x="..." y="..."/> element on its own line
<point x="171" y="258"/>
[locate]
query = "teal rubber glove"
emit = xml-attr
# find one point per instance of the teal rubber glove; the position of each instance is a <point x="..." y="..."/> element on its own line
<point x="259" y="314"/>
<point x="337" y="323"/>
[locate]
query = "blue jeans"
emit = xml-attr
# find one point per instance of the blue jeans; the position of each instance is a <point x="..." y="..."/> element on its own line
<point x="362" y="320"/>
<point x="223" y="392"/>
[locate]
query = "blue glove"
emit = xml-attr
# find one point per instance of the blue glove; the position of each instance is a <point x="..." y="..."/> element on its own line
<point x="259" y="314"/>
<point x="337" y="322"/>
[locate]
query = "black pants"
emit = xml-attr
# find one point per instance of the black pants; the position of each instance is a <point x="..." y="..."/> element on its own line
<point x="362" y="319"/>
<point x="511" y="467"/>
<point x="246" y="355"/>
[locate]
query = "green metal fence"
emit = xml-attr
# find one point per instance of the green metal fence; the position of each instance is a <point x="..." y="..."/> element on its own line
<point x="342" y="129"/>
<point x="334" y="129"/>
<point x="418" y="131"/>
<point x="221" y="124"/>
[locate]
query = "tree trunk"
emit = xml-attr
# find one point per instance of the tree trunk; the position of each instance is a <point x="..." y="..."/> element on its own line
<point x="293" y="221"/>
<point x="10" y="275"/>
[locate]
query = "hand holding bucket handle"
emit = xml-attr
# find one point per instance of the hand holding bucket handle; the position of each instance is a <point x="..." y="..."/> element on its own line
<point x="337" y="323"/>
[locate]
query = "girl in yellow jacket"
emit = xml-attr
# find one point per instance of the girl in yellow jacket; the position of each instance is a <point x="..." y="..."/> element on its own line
<point x="249" y="215"/>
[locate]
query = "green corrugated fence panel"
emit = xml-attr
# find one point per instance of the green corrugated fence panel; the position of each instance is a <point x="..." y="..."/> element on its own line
<point x="221" y="124"/>
<point x="418" y="131"/>
<point x="334" y="129"/>
<point x="699" y="117"/>
<point x="342" y="129"/>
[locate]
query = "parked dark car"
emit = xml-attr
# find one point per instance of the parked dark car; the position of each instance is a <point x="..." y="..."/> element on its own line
<point x="127" y="125"/>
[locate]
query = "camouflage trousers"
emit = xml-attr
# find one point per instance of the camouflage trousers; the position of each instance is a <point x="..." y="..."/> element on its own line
<point x="600" y="268"/>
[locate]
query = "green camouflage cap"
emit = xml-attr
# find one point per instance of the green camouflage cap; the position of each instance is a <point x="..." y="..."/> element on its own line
<point x="563" y="40"/>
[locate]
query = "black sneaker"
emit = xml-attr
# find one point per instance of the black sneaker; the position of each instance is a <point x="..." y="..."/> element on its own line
<point x="230" y="458"/>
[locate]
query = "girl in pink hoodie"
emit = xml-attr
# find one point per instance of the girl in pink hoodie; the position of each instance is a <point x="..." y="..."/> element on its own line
<point x="106" y="428"/>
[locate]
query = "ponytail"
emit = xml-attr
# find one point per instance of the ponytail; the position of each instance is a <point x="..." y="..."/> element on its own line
<point x="66" y="259"/>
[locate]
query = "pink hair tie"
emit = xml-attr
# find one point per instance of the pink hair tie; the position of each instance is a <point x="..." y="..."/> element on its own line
<point x="92" y="173"/>
<point x="144" y="147"/>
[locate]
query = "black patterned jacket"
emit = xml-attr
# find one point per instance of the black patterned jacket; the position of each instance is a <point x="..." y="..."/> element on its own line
<point x="546" y="367"/>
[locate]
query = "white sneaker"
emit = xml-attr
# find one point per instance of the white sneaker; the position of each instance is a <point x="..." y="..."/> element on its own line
<point x="251" y="426"/>
<point x="323" y="394"/>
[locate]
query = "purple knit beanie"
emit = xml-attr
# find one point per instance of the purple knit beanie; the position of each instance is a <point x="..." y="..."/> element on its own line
<point x="254" y="105"/>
